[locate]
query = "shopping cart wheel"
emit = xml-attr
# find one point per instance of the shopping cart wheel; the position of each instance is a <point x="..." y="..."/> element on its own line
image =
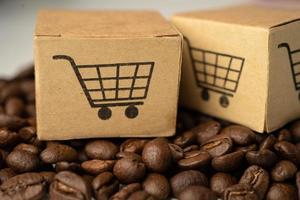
<point x="224" y="101"/>
<point x="205" y="95"/>
<point x="104" y="113"/>
<point x="131" y="111"/>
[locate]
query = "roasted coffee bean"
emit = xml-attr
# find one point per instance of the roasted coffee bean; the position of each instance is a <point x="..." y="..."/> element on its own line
<point x="8" y="138"/>
<point x="218" y="147"/>
<point x="48" y="176"/>
<point x="285" y="135"/>
<point x="258" y="178"/>
<point x="101" y="150"/>
<point x="126" y="191"/>
<point x="22" y="161"/>
<point x="245" y="149"/>
<point x="14" y="106"/>
<point x="240" y="192"/>
<point x="67" y="166"/>
<point x="195" y="192"/>
<point x="191" y="148"/>
<point x="176" y="151"/>
<point x="129" y="170"/>
<point x="197" y="160"/>
<point x="140" y="195"/>
<point x="288" y="151"/>
<point x="27" y="147"/>
<point x="265" y="158"/>
<point x="133" y="145"/>
<point x="56" y="152"/>
<point x="105" y="185"/>
<point x="27" y="134"/>
<point x="67" y="185"/>
<point x="298" y="183"/>
<point x="157" y="185"/>
<point x="268" y="143"/>
<point x="157" y="155"/>
<point x="97" y="166"/>
<point x="206" y="131"/>
<point x="282" y="191"/>
<point x="283" y="170"/>
<point x="228" y="162"/>
<point x="185" y="139"/>
<point x="187" y="178"/>
<point x="6" y="174"/>
<point x="131" y="155"/>
<point x="240" y="135"/>
<point x="12" y="122"/>
<point x="295" y="130"/>
<point x="28" y="186"/>
<point x="220" y="181"/>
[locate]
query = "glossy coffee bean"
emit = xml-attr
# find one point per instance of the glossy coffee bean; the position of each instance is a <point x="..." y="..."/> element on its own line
<point x="6" y="174"/>
<point x="133" y="145"/>
<point x="220" y="181"/>
<point x="27" y="134"/>
<point x="22" y="161"/>
<point x="105" y="185"/>
<point x="228" y="162"/>
<point x="195" y="161"/>
<point x="288" y="151"/>
<point x="131" y="155"/>
<point x="295" y="130"/>
<point x="217" y="147"/>
<point x="27" y="147"/>
<point x="284" y="135"/>
<point x="240" y="192"/>
<point x="101" y="150"/>
<point x="280" y="191"/>
<point x="140" y="195"/>
<point x="191" y="148"/>
<point x="97" y="166"/>
<point x="14" y="106"/>
<point x="156" y="151"/>
<point x="8" y="138"/>
<point x="264" y="158"/>
<point x="245" y="149"/>
<point x="240" y="135"/>
<point x="268" y="143"/>
<point x="56" y="152"/>
<point x="196" y="192"/>
<point x="206" y="131"/>
<point x="48" y="176"/>
<point x="157" y="185"/>
<point x="126" y="191"/>
<point x="187" y="178"/>
<point x="176" y="151"/>
<point x="258" y="178"/>
<point x="68" y="166"/>
<point x="27" y="186"/>
<point x="185" y="139"/>
<point x="67" y="185"/>
<point x="283" y="170"/>
<point x="129" y="170"/>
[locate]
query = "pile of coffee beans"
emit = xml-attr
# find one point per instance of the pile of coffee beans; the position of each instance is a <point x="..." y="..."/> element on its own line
<point x="207" y="159"/>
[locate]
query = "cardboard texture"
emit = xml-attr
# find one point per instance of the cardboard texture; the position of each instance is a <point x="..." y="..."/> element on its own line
<point x="242" y="64"/>
<point x="106" y="74"/>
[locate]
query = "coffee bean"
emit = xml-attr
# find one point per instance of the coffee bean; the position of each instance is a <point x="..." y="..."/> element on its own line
<point x="27" y="186"/>
<point x="126" y="191"/>
<point x="133" y="145"/>
<point x="67" y="185"/>
<point x="218" y="147"/>
<point x="105" y="185"/>
<point x="283" y="170"/>
<point x="206" y="131"/>
<point x="27" y="134"/>
<point x="268" y="143"/>
<point x="8" y="138"/>
<point x="157" y="185"/>
<point x="245" y="149"/>
<point x="12" y="122"/>
<point x="295" y="130"/>
<point x="140" y="195"/>
<point x="101" y="150"/>
<point x="6" y="174"/>
<point x="48" y="176"/>
<point x="176" y="151"/>
<point x="298" y="183"/>
<point x="14" y="106"/>
<point x="130" y="155"/>
<point x="196" y="192"/>
<point x="185" y="139"/>
<point x="280" y="191"/>
<point x="288" y="151"/>
<point x="191" y="148"/>
<point x="265" y="158"/>
<point x="68" y="166"/>
<point x="129" y="170"/>
<point x="187" y="178"/>
<point x="22" y="161"/>
<point x="157" y="155"/>
<point x="196" y="160"/>
<point x="240" y="135"/>
<point x="284" y="135"/>
<point x="27" y="147"/>
<point x="258" y="178"/>
<point x="97" y="166"/>
<point x="228" y="162"/>
<point x="56" y="152"/>
<point x="220" y="181"/>
<point x="240" y="192"/>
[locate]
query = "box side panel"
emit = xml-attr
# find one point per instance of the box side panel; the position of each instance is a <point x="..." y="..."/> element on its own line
<point x="283" y="99"/>
<point x="65" y="110"/>
<point x="231" y="62"/>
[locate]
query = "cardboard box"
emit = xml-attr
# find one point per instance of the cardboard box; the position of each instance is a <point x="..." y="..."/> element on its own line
<point x="242" y="64"/>
<point x="106" y="74"/>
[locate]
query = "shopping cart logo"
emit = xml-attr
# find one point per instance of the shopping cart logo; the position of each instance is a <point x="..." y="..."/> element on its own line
<point x="216" y="72"/>
<point x="112" y="85"/>
<point x="295" y="65"/>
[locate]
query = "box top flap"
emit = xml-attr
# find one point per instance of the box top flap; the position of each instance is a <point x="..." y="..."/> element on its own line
<point x="249" y="15"/>
<point x="102" y="24"/>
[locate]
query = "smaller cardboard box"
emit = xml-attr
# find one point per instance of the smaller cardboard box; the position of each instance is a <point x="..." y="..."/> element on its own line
<point x="106" y="74"/>
<point x="242" y="64"/>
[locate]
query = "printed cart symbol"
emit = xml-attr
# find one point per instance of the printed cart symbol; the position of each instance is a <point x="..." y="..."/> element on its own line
<point x="216" y="72"/>
<point x="295" y="65"/>
<point x="109" y="85"/>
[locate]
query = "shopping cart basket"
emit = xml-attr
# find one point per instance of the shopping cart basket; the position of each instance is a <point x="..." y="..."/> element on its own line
<point x="216" y="72"/>
<point x="109" y="85"/>
<point x="295" y="65"/>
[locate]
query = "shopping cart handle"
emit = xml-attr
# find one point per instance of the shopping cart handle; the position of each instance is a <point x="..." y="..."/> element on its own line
<point x="286" y="45"/>
<point x="64" y="57"/>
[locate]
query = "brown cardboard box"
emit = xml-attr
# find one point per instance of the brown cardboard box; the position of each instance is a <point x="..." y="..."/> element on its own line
<point x="237" y="64"/>
<point x="106" y="74"/>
